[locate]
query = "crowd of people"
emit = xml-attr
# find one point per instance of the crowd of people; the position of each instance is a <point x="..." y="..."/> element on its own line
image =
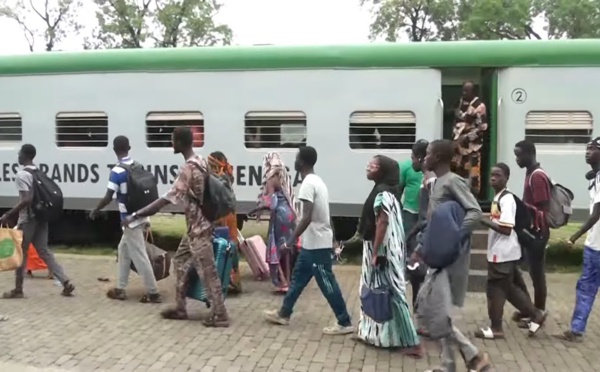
<point x="394" y="228"/>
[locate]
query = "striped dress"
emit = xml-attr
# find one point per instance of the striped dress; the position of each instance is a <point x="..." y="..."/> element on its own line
<point x="400" y="331"/>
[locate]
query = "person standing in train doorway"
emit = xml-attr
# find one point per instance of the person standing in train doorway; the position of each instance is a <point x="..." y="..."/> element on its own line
<point x="132" y="247"/>
<point x="469" y="128"/>
<point x="589" y="282"/>
<point x="315" y="257"/>
<point x="449" y="186"/>
<point x="35" y="230"/>
<point x="195" y="250"/>
<point x="536" y="195"/>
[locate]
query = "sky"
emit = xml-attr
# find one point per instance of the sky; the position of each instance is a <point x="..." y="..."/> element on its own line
<point x="283" y="22"/>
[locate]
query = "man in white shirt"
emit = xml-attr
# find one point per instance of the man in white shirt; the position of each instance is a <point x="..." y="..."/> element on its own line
<point x="315" y="257"/>
<point x="589" y="282"/>
<point x="504" y="252"/>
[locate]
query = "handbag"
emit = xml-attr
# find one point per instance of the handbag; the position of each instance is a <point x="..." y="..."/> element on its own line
<point x="376" y="303"/>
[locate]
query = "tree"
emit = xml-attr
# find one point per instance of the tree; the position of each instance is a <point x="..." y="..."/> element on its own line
<point x="162" y="23"/>
<point x="496" y="19"/>
<point x="55" y="19"/>
<point x="571" y="19"/>
<point x="421" y="20"/>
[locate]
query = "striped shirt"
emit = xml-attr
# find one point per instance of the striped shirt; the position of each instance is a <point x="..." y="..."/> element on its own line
<point x="117" y="182"/>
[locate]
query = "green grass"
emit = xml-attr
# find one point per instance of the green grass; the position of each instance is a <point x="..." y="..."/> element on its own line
<point x="88" y="251"/>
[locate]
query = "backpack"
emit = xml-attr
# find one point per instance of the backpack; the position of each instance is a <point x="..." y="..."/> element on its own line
<point x="218" y="200"/>
<point x="47" y="204"/>
<point x="523" y="220"/>
<point x="142" y="188"/>
<point x="442" y="241"/>
<point x="560" y="209"/>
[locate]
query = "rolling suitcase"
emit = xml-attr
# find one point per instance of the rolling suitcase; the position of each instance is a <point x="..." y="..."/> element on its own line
<point x="223" y="261"/>
<point x="254" y="250"/>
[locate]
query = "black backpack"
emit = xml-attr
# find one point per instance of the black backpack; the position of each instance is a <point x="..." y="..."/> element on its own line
<point x="523" y="219"/>
<point x="142" y="188"/>
<point x="47" y="203"/>
<point x="219" y="199"/>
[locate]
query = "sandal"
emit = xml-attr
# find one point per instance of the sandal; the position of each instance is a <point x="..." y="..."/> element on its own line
<point x="488" y="334"/>
<point x="570" y="336"/>
<point x="13" y="294"/>
<point x="480" y="363"/>
<point x="214" y="322"/>
<point x="415" y="352"/>
<point x="174" y="314"/>
<point x="533" y="327"/>
<point x="517" y="317"/>
<point x="151" y="298"/>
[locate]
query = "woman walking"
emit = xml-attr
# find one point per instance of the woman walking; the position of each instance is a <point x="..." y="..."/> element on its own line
<point x="277" y="196"/>
<point x="384" y="260"/>
<point x="220" y="166"/>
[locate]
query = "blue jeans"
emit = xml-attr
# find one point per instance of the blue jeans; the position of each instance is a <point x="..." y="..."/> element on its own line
<point x="586" y="290"/>
<point x="317" y="263"/>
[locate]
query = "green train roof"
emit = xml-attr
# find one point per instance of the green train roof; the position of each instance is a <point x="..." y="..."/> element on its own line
<point x="584" y="52"/>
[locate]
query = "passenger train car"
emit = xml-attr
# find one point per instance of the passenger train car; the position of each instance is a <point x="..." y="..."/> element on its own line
<point x="349" y="102"/>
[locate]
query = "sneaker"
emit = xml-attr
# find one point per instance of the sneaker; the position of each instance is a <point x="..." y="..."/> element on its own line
<point x="338" y="330"/>
<point x="14" y="293"/>
<point x="570" y="336"/>
<point x="116" y="294"/>
<point x="151" y="298"/>
<point x="272" y="316"/>
<point x="480" y="363"/>
<point x="68" y="289"/>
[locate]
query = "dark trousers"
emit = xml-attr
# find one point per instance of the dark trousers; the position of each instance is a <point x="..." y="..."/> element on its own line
<point x="415" y="277"/>
<point x="501" y="287"/>
<point x="535" y="257"/>
<point x="317" y="263"/>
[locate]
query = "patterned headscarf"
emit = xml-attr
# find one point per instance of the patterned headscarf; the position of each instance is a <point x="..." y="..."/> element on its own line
<point x="273" y="167"/>
<point x="220" y="166"/>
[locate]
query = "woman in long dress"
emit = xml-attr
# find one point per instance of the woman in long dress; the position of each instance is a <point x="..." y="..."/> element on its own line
<point x="277" y="196"/>
<point x="383" y="250"/>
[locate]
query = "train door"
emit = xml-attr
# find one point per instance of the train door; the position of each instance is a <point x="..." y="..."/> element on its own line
<point x="485" y="88"/>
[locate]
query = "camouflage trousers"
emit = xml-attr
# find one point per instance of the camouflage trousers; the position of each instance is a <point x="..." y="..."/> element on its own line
<point x="197" y="252"/>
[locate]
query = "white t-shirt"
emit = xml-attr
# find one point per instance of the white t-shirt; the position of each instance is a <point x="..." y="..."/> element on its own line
<point x="503" y="248"/>
<point x="318" y="234"/>
<point x="592" y="240"/>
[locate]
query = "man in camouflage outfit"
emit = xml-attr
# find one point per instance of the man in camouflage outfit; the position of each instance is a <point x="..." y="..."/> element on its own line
<point x="195" y="249"/>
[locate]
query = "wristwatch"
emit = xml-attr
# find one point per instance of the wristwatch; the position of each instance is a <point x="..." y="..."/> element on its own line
<point x="134" y="215"/>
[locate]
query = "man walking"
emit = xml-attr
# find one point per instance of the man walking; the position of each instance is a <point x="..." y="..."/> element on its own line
<point x="589" y="282"/>
<point x="35" y="230"/>
<point x="536" y="195"/>
<point x="315" y="255"/>
<point x="449" y="186"/>
<point x="132" y="247"/>
<point x="195" y="249"/>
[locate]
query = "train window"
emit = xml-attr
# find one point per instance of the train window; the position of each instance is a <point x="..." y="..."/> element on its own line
<point x="383" y="130"/>
<point x="160" y="126"/>
<point x="11" y="128"/>
<point x="81" y="129"/>
<point x="275" y="129"/>
<point x="559" y="127"/>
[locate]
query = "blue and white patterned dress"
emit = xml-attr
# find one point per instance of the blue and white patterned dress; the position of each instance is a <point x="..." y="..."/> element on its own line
<point x="400" y="331"/>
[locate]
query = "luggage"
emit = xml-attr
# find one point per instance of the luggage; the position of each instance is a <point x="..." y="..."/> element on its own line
<point x="224" y="252"/>
<point x="254" y="250"/>
<point x="11" y="253"/>
<point x="159" y="259"/>
<point x="222" y="232"/>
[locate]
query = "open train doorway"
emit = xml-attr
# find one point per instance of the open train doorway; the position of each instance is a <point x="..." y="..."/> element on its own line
<point x="484" y="81"/>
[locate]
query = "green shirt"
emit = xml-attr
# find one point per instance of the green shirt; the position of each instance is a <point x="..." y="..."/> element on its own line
<point x="411" y="182"/>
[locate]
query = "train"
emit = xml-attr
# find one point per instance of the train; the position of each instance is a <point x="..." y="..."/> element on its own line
<point x="350" y="102"/>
